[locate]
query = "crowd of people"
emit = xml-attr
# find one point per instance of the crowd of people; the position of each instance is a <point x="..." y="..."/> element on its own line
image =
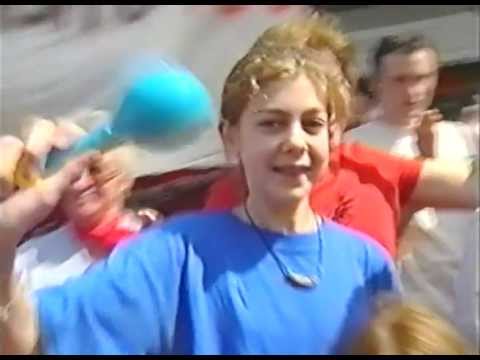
<point x="314" y="242"/>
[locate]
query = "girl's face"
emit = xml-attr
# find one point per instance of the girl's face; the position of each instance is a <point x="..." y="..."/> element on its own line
<point x="282" y="140"/>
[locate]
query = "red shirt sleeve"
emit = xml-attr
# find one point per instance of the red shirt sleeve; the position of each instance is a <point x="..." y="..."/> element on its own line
<point x="410" y="171"/>
<point x="396" y="176"/>
<point x="225" y="193"/>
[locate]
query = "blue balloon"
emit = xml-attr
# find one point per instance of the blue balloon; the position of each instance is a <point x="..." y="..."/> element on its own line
<point x="163" y="106"/>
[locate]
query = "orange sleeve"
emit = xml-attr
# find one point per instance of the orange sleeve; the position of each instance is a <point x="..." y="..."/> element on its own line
<point x="403" y="173"/>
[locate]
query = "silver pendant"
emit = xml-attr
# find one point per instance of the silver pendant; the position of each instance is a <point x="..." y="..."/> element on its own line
<point x="302" y="281"/>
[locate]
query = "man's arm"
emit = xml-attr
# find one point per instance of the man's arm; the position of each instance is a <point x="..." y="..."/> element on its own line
<point x="18" y="326"/>
<point x="447" y="184"/>
<point x="19" y="212"/>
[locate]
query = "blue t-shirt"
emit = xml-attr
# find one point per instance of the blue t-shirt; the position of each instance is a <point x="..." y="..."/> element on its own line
<point x="206" y="284"/>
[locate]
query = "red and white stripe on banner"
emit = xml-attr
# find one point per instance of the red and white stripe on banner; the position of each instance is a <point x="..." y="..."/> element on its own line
<point x="233" y="10"/>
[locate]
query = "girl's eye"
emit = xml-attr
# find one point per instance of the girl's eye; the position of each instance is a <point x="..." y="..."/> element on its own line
<point x="271" y="124"/>
<point x="314" y="125"/>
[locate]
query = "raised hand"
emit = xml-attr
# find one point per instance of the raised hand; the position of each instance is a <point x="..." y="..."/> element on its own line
<point x="426" y="132"/>
<point x="20" y="210"/>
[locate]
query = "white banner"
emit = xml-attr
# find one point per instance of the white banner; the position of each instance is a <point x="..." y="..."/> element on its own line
<point x="59" y="59"/>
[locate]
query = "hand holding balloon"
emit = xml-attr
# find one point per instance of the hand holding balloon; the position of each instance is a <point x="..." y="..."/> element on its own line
<point x="161" y="107"/>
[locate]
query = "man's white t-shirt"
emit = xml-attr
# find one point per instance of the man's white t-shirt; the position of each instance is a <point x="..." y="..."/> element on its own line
<point x="442" y="269"/>
<point x="51" y="259"/>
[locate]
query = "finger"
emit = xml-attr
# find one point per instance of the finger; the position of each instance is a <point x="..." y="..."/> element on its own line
<point x="38" y="143"/>
<point x="432" y="112"/>
<point x="28" y="171"/>
<point x="151" y="214"/>
<point x="436" y="117"/>
<point x="27" y="208"/>
<point x="12" y="149"/>
<point x="429" y="118"/>
<point x="428" y="124"/>
<point x="39" y="140"/>
<point x="52" y="188"/>
<point x="433" y="115"/>
<point x="66" y="134"/>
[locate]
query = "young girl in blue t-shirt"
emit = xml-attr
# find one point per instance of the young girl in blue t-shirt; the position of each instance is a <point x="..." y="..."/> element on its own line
<point x="269" y="277"/>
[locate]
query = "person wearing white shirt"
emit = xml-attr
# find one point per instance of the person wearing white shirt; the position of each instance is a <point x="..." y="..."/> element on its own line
<point x="95" y="217"/>
<point x="439" y="249"/>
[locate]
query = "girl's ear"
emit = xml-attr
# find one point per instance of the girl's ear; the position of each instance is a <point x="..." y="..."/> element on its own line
<point x="334" y="134"/>
<point x="230" y="138"/>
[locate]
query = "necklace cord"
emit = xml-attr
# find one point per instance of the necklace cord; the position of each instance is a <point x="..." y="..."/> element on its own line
<point x="292" y="277"/>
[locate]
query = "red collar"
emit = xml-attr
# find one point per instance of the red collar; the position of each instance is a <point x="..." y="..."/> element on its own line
<point x="108" y="234"/>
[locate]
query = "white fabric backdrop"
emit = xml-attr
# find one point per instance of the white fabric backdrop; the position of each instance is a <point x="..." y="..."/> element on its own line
<point x="71" y="60"/>
<point x="55" y="70"/>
